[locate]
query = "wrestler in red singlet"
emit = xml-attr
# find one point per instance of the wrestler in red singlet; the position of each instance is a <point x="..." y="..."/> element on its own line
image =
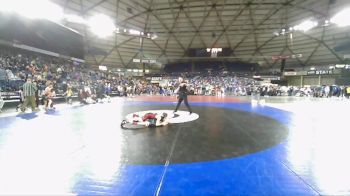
<point x="148" y="116"/>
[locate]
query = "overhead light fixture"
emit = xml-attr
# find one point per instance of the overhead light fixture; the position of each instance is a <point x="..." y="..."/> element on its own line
<point x="134" y="32"/>
<point x="39" y="9"/>
<point x="101" y="25"/>
<point x="276" y="33"/>
<point x="74" y="18"/>
<point x="342" y="18"/>
<point x="306" y="25"/>
<point x="312" y="68"/>
<point x="340" y="66"/>
<point x="326" y="23"/>
<point x="9" y="6"/>
<point x="154" y="36"/>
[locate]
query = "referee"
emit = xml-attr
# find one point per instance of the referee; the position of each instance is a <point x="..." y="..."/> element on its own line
<point x="182" y="95"/>
<point x="29" y="90"/>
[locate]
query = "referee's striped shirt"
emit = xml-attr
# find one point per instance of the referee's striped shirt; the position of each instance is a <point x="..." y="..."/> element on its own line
<point x="29" y="89"/>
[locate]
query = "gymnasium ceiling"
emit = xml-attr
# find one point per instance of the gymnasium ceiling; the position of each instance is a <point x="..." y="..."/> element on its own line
<point x="245" y="26"/>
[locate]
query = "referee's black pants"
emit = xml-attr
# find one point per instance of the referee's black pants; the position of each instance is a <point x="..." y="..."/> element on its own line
<point x="183" y="98"/>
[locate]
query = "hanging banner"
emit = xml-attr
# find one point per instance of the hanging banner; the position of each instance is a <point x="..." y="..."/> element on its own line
<point x="320" y="72"/>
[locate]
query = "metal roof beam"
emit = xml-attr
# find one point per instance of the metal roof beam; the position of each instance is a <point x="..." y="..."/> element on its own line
<point x="222" y="24"/>
<point x="319" y="43"/>
<point x="92" y="7"/>
<point x="262" y="22"/>
<point x="193" y="25"/>
<point x="232" y="21"/>
<point x="171" y="30"/>
<point x="172" y="34"/>
<point x="116" y="46"/>
<point x="198" y="29"/>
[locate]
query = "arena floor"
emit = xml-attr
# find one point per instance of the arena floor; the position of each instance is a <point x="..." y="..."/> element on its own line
<point x="277" y="146"/>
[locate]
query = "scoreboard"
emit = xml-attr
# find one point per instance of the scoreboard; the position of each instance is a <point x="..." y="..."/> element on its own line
<point x="208" y="52"/>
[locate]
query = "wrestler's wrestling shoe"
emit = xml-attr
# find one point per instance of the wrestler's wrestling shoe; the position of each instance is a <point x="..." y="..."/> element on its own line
<point x="123" y="123"/>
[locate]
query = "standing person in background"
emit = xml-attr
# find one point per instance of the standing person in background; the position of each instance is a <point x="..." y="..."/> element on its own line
<point x="1" y="102"/>
<point x="37" y="101"/>
<point x="29" y="89"/>
<point x="182" y="92"/>
<point x="21" y="99"/>
<point x="100" y="91"/>
<point x="327" y="91"/>
<point x="347" y="92"/>
<point x="68" y="94"/>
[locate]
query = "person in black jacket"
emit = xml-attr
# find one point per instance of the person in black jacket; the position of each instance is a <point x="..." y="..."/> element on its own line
<point x="182" y="92"/>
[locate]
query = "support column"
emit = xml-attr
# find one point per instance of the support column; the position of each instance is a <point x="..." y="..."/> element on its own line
<point x="301" y="81"/>
<point x="143" y="69"/>
<point x="193" y="66"/>
<point x="319" y="80"/>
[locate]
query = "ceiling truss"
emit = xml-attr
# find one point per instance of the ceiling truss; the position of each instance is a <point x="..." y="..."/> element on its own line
<point x="245" y="26"/>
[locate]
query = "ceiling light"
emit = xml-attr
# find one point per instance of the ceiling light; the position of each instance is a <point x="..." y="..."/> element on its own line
<point x="306" y="25"/>
<point x="340" y="66"/>
<point x="326" y="23"/>
<point x="342" y="18"/>
<point x="74" y="18"/>
<point x="39" y="9"/>
<point x="8" y="6"/>
<point x="101" y="25"/>
<point x="134" y="32"/>
<point x="154" y="36"/>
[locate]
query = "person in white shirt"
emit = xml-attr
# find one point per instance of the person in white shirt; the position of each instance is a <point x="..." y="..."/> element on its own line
<point x="1" y="102"/>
